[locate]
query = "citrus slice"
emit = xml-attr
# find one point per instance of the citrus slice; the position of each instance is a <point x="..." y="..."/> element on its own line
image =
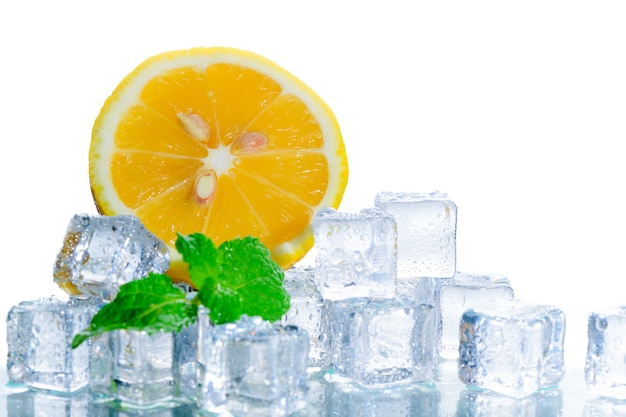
<point x="218" y="141"/>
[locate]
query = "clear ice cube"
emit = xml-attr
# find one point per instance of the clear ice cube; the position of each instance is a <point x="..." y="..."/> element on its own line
<point x="39" y="337"/>
<point x="144" y="369"/>
<point x="512" y="348"/>
<point x="605" y="368"/>
<point x="382" y="341"/>
<point x="355" y="254"/>
<point x="426" y="225"/>
<point x="100" y="253"/>
<point x="308" y="311"/>
<point x="461" y="293"/>
<point x="420" y="290"/>
<point x="250" y="365"/>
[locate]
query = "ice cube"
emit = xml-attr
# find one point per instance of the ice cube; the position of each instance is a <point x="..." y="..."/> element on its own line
<point x="142" y="369"/>
<point x="350" y="400"/>
<point x="426" y="225"/>
<point x="382" y="341"/>
<point x="420" y="290"/>
<point x="461" y="293"/>
<point x="511" y="347"/>
<point x="100" y="253"/>
<point x="250" y="365"/>
<point x="308" y="311"/>
<point x="355" y="254"/>
<point x="605" y="368"/>
<point x="39" y="337"/>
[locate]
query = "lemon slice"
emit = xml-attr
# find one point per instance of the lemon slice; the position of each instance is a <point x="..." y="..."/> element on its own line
<point x="219" y="141"/>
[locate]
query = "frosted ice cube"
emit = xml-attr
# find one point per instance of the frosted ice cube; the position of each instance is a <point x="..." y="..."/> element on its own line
<point x="511" y="347"/>
<point x="100" y="253"/>
<point x="251" y="365"/>
<point x="426" y="225"/>
<point x="461" y="293"/>
<point x="382" y="341"/>
<point x="144" y="369"/>
<point x="355" y="254"/>
<point x="605" y="368"/>
<point x="39" y="338"/>
<point x="308" y="311"/>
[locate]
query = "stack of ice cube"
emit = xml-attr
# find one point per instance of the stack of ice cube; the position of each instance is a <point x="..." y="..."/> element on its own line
<point x="383" y="303"/>
<point x="99" y="253"/>
<point x="378" y="334"/>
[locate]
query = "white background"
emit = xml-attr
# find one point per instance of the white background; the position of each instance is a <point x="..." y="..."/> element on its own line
<point x="515" y="109"/>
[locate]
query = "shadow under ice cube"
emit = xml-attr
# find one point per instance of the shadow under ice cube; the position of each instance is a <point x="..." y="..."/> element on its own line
<point x="356" y="254"/>
<point x="382" y="341"/>
<point x="100" y="253"/>
<point x="39" y="337"/>
<point x="605" y="368"/>
<point x="512" y="348"/>
<point x="426" y="225"/>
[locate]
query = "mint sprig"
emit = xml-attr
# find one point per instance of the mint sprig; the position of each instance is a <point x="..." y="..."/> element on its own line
<point x="238" y="277"/>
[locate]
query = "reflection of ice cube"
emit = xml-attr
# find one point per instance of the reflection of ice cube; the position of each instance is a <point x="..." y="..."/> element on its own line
<point x="605" y="369"/>
<point x="100" y="253"/>
<point x="308" y="311"/>
<point x="460" y="293"/>
<point x="487" y="404"/>
<point x="41" y="403"/>
<point x="39" y="337"/>
<point x="512" y="348"/>
<point x="426" y="232"/>
<point x="348" y="400"/>
<point x="356" y="254"/>
<point x="605" y="407"/>
<point x="144" y="369"/>
<point x="251" y="364"/>
<point x="381" y="341"/>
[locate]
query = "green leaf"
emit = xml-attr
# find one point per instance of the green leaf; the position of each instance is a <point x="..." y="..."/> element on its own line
<point x="239" y="277"/>
<point x="150" y="304"/>
<point x="200" y="254"/>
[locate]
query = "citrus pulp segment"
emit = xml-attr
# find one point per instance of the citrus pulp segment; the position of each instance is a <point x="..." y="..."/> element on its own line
<point x="219" y="141"/>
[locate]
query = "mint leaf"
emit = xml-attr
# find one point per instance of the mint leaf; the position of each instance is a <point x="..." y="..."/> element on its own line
<point x="198" y="247"/>
<point x="239" y="277"/>
<point x="150" y="304"/>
